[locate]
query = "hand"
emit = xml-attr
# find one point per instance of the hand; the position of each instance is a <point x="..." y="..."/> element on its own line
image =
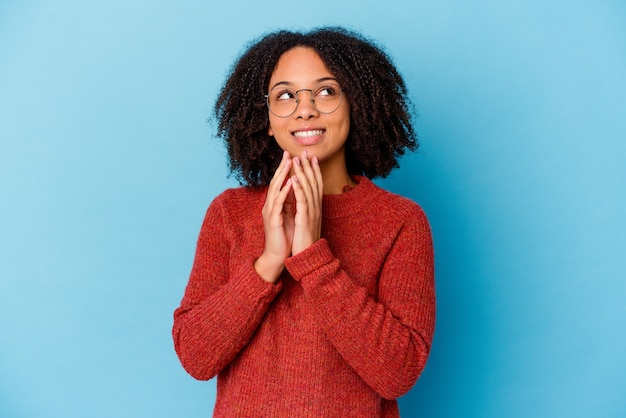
<point x="308" y="189"/>
<point x="278" y="223"/>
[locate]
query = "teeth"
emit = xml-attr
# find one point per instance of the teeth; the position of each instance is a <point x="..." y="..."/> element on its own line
<point x="308" y="134"/>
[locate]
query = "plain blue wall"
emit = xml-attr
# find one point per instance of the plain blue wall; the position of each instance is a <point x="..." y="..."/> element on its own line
<point x="107" y="166"/>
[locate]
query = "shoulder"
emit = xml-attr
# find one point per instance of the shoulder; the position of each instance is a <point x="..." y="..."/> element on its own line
<point x="391" y="204"/>
<point x="237" y="203"/>
<point x="232" y="213"/>
<point x="240" y="196"/>
<point x="413" y="232"/>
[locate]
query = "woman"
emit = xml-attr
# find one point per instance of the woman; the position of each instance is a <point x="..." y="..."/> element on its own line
<point x="312" y="290"/>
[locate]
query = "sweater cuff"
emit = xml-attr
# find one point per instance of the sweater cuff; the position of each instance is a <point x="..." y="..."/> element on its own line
<point x="249" y="285"/>
<point x="309" y="260"/>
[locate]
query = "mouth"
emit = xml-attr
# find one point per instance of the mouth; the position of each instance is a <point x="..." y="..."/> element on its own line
<point x="308" y="133"/>
<point x="308" y="137"/>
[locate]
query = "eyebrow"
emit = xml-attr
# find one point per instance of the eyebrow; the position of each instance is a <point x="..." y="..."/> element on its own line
<point x="289" y="83"/>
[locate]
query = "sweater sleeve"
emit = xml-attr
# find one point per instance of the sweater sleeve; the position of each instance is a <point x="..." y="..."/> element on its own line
<point x="386" y="339"/>
<point x="222" y="306"/>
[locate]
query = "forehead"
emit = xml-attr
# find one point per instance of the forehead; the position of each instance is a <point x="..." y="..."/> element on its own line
<point x="300" y="66"/>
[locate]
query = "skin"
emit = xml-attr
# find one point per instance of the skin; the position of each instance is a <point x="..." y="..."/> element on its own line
<point x="292" y="213"/>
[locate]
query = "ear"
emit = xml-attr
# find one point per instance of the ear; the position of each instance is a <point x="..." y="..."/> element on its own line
<point x="270" y="132"/>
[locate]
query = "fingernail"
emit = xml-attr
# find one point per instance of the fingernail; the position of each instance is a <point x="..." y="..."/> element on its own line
<point x="315" y="161"/>
<point x="305" y="154"/>
<point x="285" y="154"/>
<point x="296" y="160"/>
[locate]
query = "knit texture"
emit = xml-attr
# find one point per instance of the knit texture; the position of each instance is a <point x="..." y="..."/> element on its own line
<point x="345" y="331"/>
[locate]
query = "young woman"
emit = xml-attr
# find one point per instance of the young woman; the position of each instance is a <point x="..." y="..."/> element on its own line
<point x="312" y="290"/>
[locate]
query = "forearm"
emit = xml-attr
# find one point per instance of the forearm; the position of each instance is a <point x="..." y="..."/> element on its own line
<point x="210" y="331"/>
<point x="385" y="342"/>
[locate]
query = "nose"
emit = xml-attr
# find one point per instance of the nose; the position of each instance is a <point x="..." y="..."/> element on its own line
<point x="306" y="106"/>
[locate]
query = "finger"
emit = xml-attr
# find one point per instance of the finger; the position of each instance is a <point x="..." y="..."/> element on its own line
<point x="282" y="196"/>
<point x="303" y="180"/>
<point x="314" y="174"/>
<point x="307" y="167"/>
<point x="302" y="204"/>
<point x="280" y="174"/>
<point x="276" y="183"/>
<point x="312" y="190"/>
<point x="278" y="204"/>
<point x="318" y="176"/>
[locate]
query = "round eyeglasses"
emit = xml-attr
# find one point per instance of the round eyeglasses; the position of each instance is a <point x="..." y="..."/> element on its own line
<point x="283" y="101"/>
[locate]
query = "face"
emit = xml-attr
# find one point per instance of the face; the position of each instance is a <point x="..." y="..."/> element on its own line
<point x="322" y="134"/>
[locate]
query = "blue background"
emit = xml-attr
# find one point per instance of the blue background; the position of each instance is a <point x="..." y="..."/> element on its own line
<point x="107" y="165"/>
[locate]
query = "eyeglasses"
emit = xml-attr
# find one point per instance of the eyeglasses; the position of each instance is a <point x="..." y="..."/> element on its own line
<point x="283" y="102"/>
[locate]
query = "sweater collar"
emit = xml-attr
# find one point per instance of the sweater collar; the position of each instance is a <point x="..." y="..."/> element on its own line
<point x="351" y="202"/>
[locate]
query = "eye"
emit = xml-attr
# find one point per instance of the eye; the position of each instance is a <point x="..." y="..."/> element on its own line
<point x="328" y="90"/>
<point x="285" y="95"/>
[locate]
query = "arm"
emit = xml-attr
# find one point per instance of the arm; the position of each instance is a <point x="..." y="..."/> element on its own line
<point x="221" y="308"/>
<point x="386" y="339"/>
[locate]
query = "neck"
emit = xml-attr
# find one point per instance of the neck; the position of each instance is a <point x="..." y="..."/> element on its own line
<point x="336" y="178"/>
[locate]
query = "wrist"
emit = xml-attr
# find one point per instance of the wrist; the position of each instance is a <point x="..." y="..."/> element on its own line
<point x="267" y="269"/>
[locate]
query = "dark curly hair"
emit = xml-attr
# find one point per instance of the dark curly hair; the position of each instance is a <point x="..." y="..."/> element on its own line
<point x="380" y="110"/>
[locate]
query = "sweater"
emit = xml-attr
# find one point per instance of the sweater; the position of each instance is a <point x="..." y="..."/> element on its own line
<point x="345" y="331"/>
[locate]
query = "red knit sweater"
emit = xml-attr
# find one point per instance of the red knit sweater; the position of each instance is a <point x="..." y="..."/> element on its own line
<point x="345" y="331"/>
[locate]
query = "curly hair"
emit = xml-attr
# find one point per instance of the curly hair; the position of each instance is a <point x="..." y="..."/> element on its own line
<point x="380" y="110"/>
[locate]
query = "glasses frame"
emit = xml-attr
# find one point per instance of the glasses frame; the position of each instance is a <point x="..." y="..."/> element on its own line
<point x="297" y="93"/>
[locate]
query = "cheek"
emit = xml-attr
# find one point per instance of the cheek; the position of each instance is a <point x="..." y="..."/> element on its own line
<point x="344" y="120"/>
<point x="274" y="125"/>
<point x="345" y="115"/>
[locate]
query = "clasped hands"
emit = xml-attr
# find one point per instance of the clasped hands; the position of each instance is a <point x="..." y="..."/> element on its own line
<point x="292" y="213"/>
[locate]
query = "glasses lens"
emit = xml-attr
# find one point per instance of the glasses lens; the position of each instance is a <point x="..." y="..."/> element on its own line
<point x="328" y="98"/>
<point x="282" y="101"/>
<point x="325" y="98"/>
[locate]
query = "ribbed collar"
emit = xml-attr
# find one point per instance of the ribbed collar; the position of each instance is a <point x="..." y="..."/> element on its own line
<point x="350" y="202"/>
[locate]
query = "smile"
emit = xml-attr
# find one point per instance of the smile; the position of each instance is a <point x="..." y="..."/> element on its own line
<point x="308" y="134"/>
